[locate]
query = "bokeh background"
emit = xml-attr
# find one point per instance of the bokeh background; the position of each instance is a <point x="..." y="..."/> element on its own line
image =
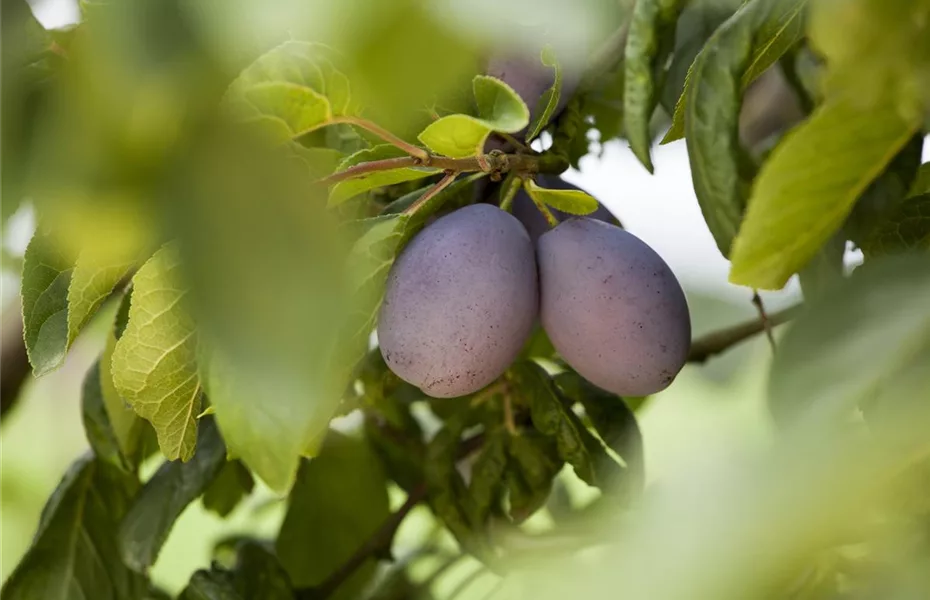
<point x="710" y="412"/>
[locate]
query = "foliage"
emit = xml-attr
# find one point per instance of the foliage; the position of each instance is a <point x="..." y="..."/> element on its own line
<point x="241" y="187"/>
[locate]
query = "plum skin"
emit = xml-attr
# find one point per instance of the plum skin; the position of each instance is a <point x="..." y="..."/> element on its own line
<point x="612" y="307"/>
<point x="460" y="302"/>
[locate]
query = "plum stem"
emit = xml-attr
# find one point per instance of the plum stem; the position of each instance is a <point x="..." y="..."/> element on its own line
<point x="764" y="318"/>
<point x="431" y="193"/>
<point x="550" y="218"/>
<point x="384" y="134"/>
<point x="509" y="191"/>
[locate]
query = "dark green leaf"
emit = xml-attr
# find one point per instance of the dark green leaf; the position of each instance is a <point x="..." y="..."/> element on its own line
<point x="799" y="201"/>
<point x="824" y="368"/>
<point x="233" y="483"/>
<point x="885" y="195"/>
<point x="154" y="362"/>
<point x="74" y="553"/>
<point x="97" y="427"/>
<point x="256" y="575"/>
<point x="539" y="345"/>
<point x="549" y="101"/>
<point x="906" y="230"/>
<point x="165" y="496"/>
<point x="649" y="41"/>
<point x="551" y="417"/>
<point x="532" y="464"/>
<point x="825" y="270"/>
<point x="487" y="476"/>
<point x="448" y="494"/>
<point x="47" y="273"/>
<point x="921" y="183"/>
<point x="741" y="49"/>
<point x="748" y="43"/>
<point x="615" y="424"/>
<point x="338" y="501"/>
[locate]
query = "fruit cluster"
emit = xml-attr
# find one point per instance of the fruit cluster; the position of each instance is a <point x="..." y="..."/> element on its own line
<point x="464" y="296"/>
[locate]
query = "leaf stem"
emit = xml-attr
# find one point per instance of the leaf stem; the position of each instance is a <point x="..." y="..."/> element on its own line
<point x="384" y="134"/>
<point x="550" y="218"/>
<point x="431" y="193"/>
<point x="719" y="341"/>
<point x="764" y="318"/>
<point x="509" y="191"/>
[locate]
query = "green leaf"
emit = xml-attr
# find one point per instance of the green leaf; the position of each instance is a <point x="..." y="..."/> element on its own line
<point x="97" y="427"/>
<point x="232" y="484"/>
<point x="573" y="202"/>
<point x="750" y="41"/>
<point x="92" y="281"/>
<point x="164" y="497"/>
<point x="905" y="231"/>
<point x="74" y="553"/>
<point x="125" y="424"/>
<point x="825" y="270"/>
<point x="921" y="183"/>
<point x="533" y="462"/>
<point x="551" y="417"/>
<point x="46" y="276"/>
<point x="291" y="90"/>
<point x="350" y="188"/>
<point x="461" y="136"/>
<point x="549" y="100"/>
<point x="256" y="574"/>
<point x="448" y="495"/>
<point x="320" y="162"/>
<point x="741" y="49"/>
<point x="154" y="367"/>
<point x="824" y="368"/>
<point x="487" y="476"/>
<point x="884" y="196"/>
<point x="800" y="200"/>
<point x="338" y="501"/>
<point x="615" y="424"/>
<point x="649" y="42"/>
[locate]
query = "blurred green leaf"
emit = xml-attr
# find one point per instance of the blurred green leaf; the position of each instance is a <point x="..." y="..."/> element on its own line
<point x="573" y="202"/>
<point x="47" y="274"/>
<point x="799" y="201"/>
<point x="825" y="270"/>
<point x="164" y="497"/>
<point x="231" y="485"/>
<point x="154" y="362"/>
<point x="650" y="40"/>
<point x="257" y="574"/>
<point x="742" y="48"/>
<point x="906" y="230"/>
<point x="921" y="183"/>
<point x="532" y="464"/>
<point x="708" y="112"/>
<point x="549" y="100"/>
<point x="615" y="424"/>
<point x="74" y="553"/>
<point x="338" y="501"/>
<point x="487" y="475"/>
<point x="320" y="162"/>
<point x="539" y="345"/>
<point x="884" y="196"/>
<point x="346" y="190"/>
<point x="460" y="136"/>
<point x="100" y="432"/>
<point x="824" y="367"/>
<point x="551" y="417"/>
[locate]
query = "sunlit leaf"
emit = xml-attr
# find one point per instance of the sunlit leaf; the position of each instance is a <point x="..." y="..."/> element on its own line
<point x="460" y="136"/>
<point x="549" y="100"/>
<point x="154" y="362"/>
<point x="799" y="200"/>
<point x="573" y="202"/>
<point x="346" y="190"/>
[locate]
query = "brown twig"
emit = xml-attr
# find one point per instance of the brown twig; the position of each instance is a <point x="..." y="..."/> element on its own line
<point x="382" y="133"/>
<point x="764" y="318"/>
<point x="719" y="341"/>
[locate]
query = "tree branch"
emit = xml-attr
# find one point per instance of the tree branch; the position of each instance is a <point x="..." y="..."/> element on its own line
<point x="431" y="193"/>
<point x="384" y="134"/>
<point x="719" y="341"/>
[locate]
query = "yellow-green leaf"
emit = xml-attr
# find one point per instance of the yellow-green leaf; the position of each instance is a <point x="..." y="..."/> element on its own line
<point x="549" y="101"/>
<point x="800" y="199"/>
<point x="154" y="365"/>
<point x="92" y="281"/>
<point x="573" y="202"/>
<point x="348" y="189"/>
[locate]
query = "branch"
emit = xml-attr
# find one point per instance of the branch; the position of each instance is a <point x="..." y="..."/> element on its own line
<point x="720" y="341"/>
<point x="381" y="540"/>
<point x="431" y="193"/>
<point x="384" y="134"/>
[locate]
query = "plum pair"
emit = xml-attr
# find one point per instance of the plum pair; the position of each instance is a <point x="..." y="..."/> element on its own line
<point x="463" y="297"/>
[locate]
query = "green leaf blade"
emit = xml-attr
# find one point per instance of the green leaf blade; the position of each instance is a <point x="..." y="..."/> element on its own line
<point x="549" y="101"/>
<point x="799" y="200"/>
<point x="154" y="362"/>
<point x="573" y="202"/>
<point x="92" y="282"/>
<point x="46" y="277"/>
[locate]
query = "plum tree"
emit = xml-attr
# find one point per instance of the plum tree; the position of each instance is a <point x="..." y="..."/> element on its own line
<point x="612" y="307"/>
<point x="460" y="302"/>
<point x="524" y="209"/>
